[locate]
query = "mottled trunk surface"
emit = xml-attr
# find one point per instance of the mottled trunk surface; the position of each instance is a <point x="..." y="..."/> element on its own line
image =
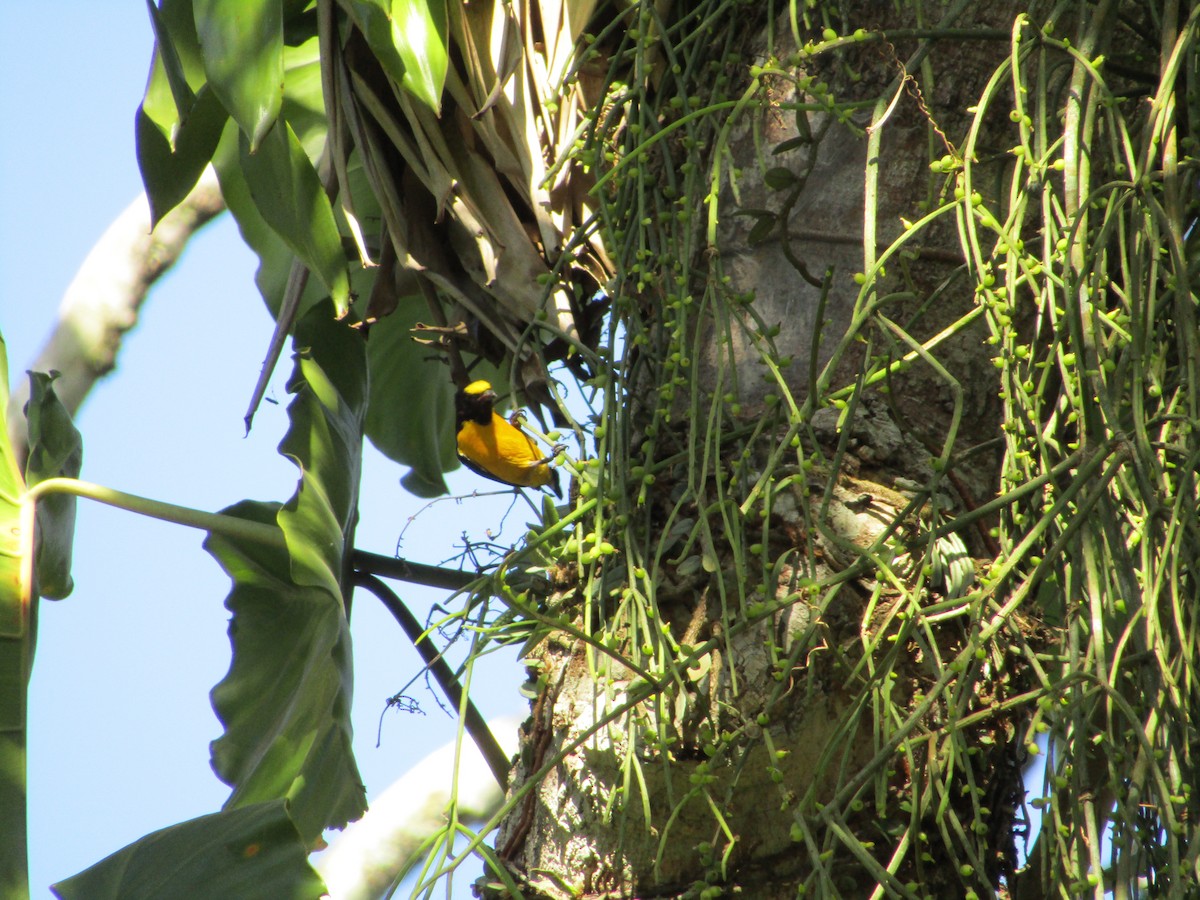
<point x="785" y="748"/>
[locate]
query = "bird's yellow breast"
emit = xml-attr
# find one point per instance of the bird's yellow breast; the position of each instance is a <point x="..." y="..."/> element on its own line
<point x="501" y="451"/>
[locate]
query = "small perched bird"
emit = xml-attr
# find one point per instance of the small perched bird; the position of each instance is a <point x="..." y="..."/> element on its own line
<point x="491" y="446"/>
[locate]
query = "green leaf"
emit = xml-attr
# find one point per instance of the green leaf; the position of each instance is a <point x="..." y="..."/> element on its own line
<point x="325" y="441"/>
<point x="763" y="228"/>
<point x="285" y="702"/>
<point x="242" y="43"/>
<point x="55" y="451"/>
<point x="250" y="852"/>
<point x="409" y="38"/>
<point x="177" y="71"/>
<point x="792" y="144"/>
<point x="302" y="108"/>
<point x="304" y="95"/>
<point x="12" y="486"/>
<point x="288" y="194"/>
<point x="180" y="119"/>
<point x="16" y="652"/>
<point x="275" y="257"/>
<point x="169" y="173"/>
<point x="419" y="28"/>
<point x="411" y="415"/>
<point x="169" y="67"/>
<point x="780" y="178"/>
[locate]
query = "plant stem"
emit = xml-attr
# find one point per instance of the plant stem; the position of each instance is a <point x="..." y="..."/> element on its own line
<point x="229" y="526"/>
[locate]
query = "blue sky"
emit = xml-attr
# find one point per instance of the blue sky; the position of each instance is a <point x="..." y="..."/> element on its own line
<point x="119" y="714"/>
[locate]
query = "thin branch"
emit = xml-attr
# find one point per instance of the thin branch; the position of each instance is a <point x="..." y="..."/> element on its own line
<point x="414" y="573"/>
<point x="381" y="846"/>
<point x="495" y="756"/>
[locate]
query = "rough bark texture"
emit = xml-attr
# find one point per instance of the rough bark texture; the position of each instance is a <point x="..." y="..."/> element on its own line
<point x="825" y="231"/>
<point x="735" y="772"/>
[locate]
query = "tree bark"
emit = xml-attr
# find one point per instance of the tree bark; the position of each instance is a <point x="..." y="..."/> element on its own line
<point x="377" y="849"/>
<point x="760" y="762"/>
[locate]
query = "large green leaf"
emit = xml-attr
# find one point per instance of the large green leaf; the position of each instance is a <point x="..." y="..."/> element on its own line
<point x="304" y="95"/>
<point x="325" y="441"/>
<point x="409" y="39"/>
<point x="170" y="172"/>
<point x="242" y="42"/>
<point x="15" y="652"/>
<point x="419" y="32"/>
<point x="274" y="256"/>
<point x="55" y="451"/>
<point x="305" y="114"/>
<point x="250" y="852"/>
<point x="411" y="414"/>
<point x="12" y="486"/>
<point x="180" y="118"/>
<point x="177" y="70"/>
<point x="285" y="702"/>
<point x="288" y="194"/>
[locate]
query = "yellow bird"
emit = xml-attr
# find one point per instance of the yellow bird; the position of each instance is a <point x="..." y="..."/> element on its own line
<point x="491" y="446"/>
